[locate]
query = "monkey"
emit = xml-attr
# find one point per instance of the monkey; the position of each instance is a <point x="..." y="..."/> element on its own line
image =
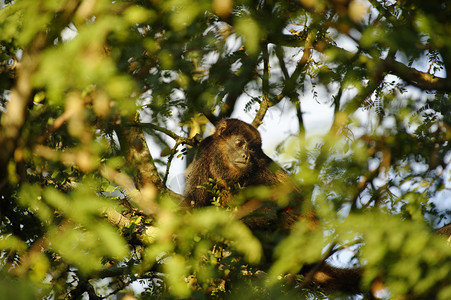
<point x="232" y="156"/>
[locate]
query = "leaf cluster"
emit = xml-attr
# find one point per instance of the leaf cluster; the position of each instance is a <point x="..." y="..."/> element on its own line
<point x="97" y="96"/>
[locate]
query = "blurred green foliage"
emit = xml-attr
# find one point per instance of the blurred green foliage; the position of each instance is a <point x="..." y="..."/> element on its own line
<point x="83" y="205"/>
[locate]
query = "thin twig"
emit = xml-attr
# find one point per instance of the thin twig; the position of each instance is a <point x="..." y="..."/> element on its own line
<point x="179" y="139"/>
<point x="170" y="158"/>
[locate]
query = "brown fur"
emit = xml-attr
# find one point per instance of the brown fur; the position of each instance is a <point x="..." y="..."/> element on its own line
<point x="212" y="161"/>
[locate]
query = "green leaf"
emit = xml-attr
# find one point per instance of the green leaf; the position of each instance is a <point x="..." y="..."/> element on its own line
<point x="249" y="29"/>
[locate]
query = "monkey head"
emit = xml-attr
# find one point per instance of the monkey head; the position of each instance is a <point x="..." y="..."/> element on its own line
<point x="238" y="141"/>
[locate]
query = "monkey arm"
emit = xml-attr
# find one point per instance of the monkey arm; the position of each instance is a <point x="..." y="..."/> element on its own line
<point x="333" y="279"/>
<point x="445" y="230"/>
<point x="347" y="280"/>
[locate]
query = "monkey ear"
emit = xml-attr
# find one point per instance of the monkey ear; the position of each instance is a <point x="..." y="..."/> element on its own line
<point x="221" y="127"/>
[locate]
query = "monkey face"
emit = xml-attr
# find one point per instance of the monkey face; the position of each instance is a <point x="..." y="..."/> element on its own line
<point x="238" y="153"/>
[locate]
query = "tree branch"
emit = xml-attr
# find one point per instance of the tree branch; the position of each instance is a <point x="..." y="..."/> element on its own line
<point x="118" y="220"/>
<point x="13" y="119"/>
<point x="422" y="80"/>
<point x="265" y="103"/>
<point x="134" y="146"/>
<point x="180" y="139"/>
<point x="412" y="76"/>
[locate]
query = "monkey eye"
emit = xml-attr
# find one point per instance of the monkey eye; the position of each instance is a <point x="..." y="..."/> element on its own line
<point x="239" y="143"/>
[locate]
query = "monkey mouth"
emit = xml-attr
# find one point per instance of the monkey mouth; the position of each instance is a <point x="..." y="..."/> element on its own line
<point x="241" y="163"/>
